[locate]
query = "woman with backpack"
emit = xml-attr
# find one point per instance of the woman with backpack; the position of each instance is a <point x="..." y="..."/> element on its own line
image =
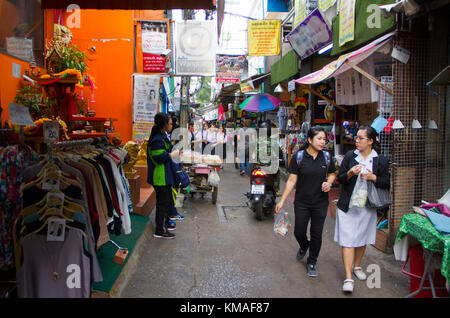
<point x="160" y="175"/>
<point x="312" y="172"/>
<point x="357" y="227"/>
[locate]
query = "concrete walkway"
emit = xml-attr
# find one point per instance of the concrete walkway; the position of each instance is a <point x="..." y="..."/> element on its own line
<point x="223" y="251"/>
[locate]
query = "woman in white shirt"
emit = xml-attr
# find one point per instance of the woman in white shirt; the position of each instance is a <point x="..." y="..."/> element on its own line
<point x="196" y="138"/>
<point x="220" y="145"/>
<point x="211" y="137"/>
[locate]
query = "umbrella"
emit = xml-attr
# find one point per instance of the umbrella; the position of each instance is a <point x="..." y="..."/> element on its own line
<point x="260" y="103"/>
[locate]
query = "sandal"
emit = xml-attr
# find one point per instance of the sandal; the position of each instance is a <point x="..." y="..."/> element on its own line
<point x="348" y="286"/>
<point x="358" y="272"/>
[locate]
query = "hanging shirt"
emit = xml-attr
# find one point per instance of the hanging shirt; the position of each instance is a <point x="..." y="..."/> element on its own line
<point x="41" y="259"/>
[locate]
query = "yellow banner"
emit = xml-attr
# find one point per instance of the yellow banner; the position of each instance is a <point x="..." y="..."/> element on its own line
<point x="324" y="5"/>
<point x="347" y="21"/>
<point x="264" y="37"/>
<point x="246" y="88"/>
<point x="300" y="13"/>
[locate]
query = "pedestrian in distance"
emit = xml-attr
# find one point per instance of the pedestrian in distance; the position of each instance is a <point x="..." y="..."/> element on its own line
<point x="160" y="176"/>
<point x="312" y="172"/>
<point x="211" y="137"/>
<point x="356" y="227"/>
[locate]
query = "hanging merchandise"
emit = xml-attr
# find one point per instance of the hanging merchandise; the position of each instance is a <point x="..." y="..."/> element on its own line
<point x="13" y="161"/>
<point x="71" y="202"/>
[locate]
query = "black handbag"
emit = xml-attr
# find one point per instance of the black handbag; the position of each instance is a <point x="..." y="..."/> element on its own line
<point x="377" y="198"/>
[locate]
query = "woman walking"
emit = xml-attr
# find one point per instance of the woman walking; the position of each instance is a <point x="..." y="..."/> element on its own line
<point x="160" y="176"/>
<point x="220" y="145"/>
<point x="312" y="172"/>
<point x="356" y="227"/>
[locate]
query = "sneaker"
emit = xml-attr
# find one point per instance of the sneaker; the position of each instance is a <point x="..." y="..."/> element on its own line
<point x="172" y="223"/>
<point x="348" y="286"/>
<point x="171" y="227"/>
<point x="301" y="254"/>
<point x="176" y="217"/>
<point x="166" y="235"/>
<point x="312" y="271"/>
<point x="358" y="272"/>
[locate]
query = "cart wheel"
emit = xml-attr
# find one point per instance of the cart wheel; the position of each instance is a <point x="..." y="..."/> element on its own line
<point x="214" y="195"/>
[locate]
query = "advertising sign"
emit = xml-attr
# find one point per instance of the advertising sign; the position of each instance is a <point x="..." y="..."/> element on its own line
<point x="154" y="43"/>
<point x="145" y="105"/>
<point x="195" y="47"/>
<point x="264" y="37"/>
<point x="310" y="36"/>
<point x="230" y="68"/>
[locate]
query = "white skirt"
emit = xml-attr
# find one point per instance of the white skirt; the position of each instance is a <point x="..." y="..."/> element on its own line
<point x="356" y="228"/>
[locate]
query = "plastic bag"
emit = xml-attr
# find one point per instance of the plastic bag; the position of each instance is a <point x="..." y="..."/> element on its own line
<point x="359" y="195"/>
<point x="213" y="178"/>
<point x="282" y="224"/>
<point x="377" y="198"/>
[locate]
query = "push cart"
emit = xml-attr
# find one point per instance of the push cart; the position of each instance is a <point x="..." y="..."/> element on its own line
<point x="198" y="174"/>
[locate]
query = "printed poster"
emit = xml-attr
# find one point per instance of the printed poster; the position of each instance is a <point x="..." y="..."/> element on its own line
<point x="310" y="36"/>
<point x="195" y="48"/>
<point x="230" y="68"/>
<point x="346" y="21"/>
<point x="264" y="37"/>
<point x="300" y="12"/>
<point x="154" y="43"/>
<point x="145" y="105"/>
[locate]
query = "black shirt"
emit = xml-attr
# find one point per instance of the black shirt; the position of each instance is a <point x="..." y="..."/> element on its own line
<point x="311" y="174"/>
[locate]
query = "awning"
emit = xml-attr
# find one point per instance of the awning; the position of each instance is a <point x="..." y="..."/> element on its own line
<point x="130" y="4"/>
<point x="346" y="61"/>
<point x="285" y="68"/>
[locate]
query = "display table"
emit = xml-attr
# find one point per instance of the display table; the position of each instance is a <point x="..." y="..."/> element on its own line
<point x="433" y="241"/>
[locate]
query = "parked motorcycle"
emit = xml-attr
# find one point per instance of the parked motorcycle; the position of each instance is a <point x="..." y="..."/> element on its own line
<point x="262" y="195"/>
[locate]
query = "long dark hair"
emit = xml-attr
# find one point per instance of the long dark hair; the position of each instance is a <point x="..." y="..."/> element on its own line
<point x="161" y="120"/>
<point x="372" y="134"/>
<point x="313" y="132"/>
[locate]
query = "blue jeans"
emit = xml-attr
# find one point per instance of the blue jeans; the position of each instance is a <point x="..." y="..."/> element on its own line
<point x="245" y="166"/>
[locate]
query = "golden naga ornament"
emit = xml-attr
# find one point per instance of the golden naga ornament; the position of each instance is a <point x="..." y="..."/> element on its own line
<point x="142" y="155"/>
<point x="133" y="149"/>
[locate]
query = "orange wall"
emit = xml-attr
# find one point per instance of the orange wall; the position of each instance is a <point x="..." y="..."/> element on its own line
<point x="9" y="84"/>
<point x="112" y="64"/>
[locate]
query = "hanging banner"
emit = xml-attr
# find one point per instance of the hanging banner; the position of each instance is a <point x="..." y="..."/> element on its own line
<point x="300" y="12"/>
<point x="264" y="37"/>
<point x="230" y="68"/>
<point x="324" y="5"/>
<point x="195" y="47"/>
<point x="310" y="36"/>
<point x="145" y="105"/>
<point x="347" y="21"/>
<point x="246" y="88"/>
<point x="154" y="43"/>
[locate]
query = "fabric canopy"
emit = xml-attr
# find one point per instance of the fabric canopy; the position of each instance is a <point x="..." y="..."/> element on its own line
<point x="130" y="4"/>
<point x="339" y="66"/>
<point x="285" y="68"/>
